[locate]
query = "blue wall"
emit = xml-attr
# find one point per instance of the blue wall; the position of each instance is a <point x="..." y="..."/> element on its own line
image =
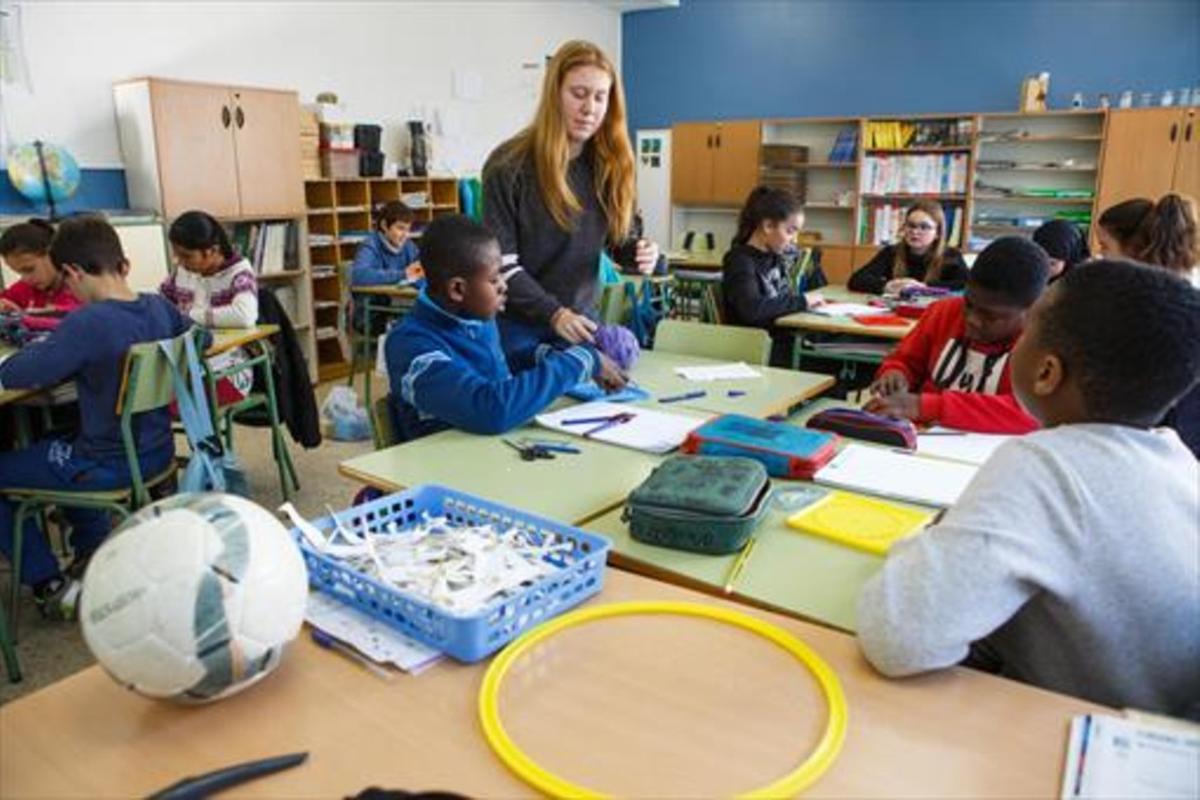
<point x="729" y="59"/>
<point x="99" y="189"/>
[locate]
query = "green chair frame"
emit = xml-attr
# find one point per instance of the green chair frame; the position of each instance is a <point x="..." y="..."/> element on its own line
<point x="721" y="342"/>
<point x="11" y="665"/>
<point x="381" y="420"/>
<point x="147" y="384"/>
<point x="364" y="343"/>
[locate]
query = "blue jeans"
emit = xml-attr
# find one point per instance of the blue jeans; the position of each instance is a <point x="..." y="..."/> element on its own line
<point x="54" y="464"/>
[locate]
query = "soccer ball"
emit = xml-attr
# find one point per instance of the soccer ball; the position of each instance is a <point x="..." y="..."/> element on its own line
<point x="194" y="598"/>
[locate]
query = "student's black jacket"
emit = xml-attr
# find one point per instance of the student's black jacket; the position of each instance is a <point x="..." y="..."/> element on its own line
<point x="874" y="275"/>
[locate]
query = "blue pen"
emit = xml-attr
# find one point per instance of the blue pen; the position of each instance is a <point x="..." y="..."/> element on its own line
<point x="735" y="393"/>
<point x="553" y="447"/>
<point x="685" y="396"/>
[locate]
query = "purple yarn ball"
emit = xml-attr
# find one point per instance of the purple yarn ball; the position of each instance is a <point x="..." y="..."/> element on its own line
<point x="619" y="344"/>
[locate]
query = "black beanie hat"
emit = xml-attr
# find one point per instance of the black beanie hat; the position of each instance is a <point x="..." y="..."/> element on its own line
<point x="1013" y="267"/>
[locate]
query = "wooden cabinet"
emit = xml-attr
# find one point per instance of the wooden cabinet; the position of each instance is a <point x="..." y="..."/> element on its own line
<point x="1148" y="153"/>
<point x="837" y="261"/>
<point x="714" y="163"/>
<point x="234" y="152"/>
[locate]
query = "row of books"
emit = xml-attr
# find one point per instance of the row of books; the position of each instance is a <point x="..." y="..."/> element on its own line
<point x="884" y="223"/>
<point x="898" y="134"/>
<point x="269" y="246"/>
<point x="941" y="173"/>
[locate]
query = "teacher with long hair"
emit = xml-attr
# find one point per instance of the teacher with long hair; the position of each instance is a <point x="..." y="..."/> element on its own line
<point x="560" y="193"/>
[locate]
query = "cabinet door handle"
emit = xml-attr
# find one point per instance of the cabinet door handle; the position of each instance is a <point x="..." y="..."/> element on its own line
<point x="1187" y="133"/>
<point x="241" y="117"/>
<point x="708" y="141"/>
<point x="225" y="116"/>
<point x="718" y="140"/>
<point x="1174" y="130"/>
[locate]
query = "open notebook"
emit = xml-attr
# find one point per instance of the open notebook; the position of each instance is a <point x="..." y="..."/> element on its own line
<point x="970" y="448"/>
<point x="900" y="476"/>
<point x="649" y="430"/>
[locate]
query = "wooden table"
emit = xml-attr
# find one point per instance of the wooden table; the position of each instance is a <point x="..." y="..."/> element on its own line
<point x="640" y="707"/>
<point x="777" y="391"/>
<point x="812" y="322"/>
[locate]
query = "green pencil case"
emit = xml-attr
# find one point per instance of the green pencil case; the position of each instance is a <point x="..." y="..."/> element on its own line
<point x="705" y="504"/>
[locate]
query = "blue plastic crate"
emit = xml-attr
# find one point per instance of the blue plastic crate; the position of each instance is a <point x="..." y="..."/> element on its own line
<point x="466" y="638"/>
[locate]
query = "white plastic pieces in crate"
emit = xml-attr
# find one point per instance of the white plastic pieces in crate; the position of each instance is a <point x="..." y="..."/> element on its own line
<point x="459" y="568"/>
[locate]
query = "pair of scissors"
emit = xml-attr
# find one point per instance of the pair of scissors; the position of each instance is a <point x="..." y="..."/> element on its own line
<point x="529" y="452"/>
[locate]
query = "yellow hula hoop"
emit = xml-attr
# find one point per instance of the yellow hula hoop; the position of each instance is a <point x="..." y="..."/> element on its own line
<point x="542" y="779"/>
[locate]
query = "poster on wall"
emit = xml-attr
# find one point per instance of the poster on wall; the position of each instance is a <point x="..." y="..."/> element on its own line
<point x="653" y="151"/>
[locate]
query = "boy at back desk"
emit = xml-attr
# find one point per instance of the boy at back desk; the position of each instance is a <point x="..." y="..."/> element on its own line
<point x="1070" y="562"/>
<point x="953" y="368"/>
<point x="444" y="361"/>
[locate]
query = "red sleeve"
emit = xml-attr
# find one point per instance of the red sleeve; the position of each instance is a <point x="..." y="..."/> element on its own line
<point x="915" y="354"/>
<point x="981" y="413"/>
<point x="19" y="293"/>
<point x="65" y="299"/>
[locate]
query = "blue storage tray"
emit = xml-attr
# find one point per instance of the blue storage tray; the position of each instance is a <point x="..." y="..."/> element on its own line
<point x="466" y="638"/>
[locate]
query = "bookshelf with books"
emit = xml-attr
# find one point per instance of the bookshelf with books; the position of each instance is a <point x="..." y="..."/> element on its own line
<point x="339" y="218"/>
<point x="909" y="158"/>
<point x="1031" y="168"/>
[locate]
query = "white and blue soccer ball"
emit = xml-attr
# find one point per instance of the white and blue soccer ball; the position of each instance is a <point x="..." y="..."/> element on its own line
<point x="194" y="598"/>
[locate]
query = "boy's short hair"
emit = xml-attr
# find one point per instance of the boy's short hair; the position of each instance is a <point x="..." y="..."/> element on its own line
<point x="88" y="242"/>
<point x="453" y="247"/>
<point x="1130" y="336"/>
<point x="1014" y="268"/>
<point x="391" y="212"/>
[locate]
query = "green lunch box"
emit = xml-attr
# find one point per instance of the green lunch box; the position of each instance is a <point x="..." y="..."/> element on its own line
<point x="706" y="504"/>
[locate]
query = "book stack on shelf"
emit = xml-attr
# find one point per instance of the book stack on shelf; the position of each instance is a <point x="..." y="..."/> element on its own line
<point x="272" y="248"/>
<point x="845" y="146"/>
<point x="932" y="174"/>
<point x="782" y="167"/>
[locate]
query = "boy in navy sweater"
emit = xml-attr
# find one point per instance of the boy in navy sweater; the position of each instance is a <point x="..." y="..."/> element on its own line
<point x="445" y="363"/>
<point x="89" y="347"/>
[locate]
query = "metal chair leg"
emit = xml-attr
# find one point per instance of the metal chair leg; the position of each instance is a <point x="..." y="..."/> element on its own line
<point x="11" y="665"/>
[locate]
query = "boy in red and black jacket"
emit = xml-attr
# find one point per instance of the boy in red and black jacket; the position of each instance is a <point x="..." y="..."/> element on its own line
<point x="952" y="369"/>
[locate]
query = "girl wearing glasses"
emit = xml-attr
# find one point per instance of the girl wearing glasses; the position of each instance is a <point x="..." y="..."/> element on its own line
<point x="920" y="258"/>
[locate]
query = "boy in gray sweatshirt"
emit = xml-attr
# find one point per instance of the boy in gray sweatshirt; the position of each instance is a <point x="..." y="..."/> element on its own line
<point x="1072" y="561"/>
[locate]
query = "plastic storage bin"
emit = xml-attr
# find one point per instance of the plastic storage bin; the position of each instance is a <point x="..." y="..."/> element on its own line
<point x="466" y="638"/>
<point x="339" y="163"/>
<point x="367" y="137"/>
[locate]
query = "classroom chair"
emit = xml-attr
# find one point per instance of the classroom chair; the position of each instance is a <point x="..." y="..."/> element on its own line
<point x="146" y="384"/>
<point x="721" y="342"/>
<point x="381" y="424"/>
<point x="11" y="665"/>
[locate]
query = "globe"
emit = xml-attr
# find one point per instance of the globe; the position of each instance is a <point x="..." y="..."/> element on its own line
<point x="25" y="172"/>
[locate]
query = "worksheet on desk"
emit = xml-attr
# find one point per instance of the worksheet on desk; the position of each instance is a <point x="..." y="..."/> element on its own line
<point x="649" y="430"/>
<point x="970" y="448"/>
<point x="900" y="476"/>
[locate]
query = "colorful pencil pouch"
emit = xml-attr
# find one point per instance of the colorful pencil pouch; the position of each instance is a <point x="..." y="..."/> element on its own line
<point x="855" y="423"/>
<point x="785" y="450"/>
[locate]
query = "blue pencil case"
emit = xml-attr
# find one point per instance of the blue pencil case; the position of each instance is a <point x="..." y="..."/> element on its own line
<point x="591" y="390"/>
<point x="787" y="451"/>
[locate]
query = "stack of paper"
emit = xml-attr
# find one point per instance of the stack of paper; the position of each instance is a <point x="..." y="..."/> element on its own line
<point x="846" y="310"/>
<point x="718" y="372"/>
<point x="1111" y="757"/>
<point x="970" y="448"/>
<point x="900" y="476"/>
<point x="372" y="638"/>
<point x="648" y="430"/>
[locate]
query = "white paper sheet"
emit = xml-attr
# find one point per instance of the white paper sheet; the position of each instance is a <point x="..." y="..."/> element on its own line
<point x="718" y="372"/>
<point x="650" y="431"/>
<point x="847" y="310"/>
<point x="900" y="476"/>
<point x="970" y="448"/>
<point x="375" y="640"/>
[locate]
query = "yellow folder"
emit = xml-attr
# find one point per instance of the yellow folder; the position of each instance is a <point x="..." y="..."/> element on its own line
<point x="858" y="521"/>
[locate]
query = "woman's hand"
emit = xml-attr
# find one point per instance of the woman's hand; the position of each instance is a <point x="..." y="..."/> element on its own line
<point x="646" y="256"/>
<point x="575" y="328"/>
<point x="896" y="285"/>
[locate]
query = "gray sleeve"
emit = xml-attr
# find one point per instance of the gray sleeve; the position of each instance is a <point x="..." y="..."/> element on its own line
<point x="502" y="215"/>
<point x="962" y="579"/>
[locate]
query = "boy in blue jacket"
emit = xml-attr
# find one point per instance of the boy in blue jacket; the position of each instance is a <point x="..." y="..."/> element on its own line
<point x="89" y="348"/>
<point x="445" y="363"/>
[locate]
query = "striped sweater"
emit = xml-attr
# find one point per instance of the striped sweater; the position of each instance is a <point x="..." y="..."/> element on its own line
<point x="226" y="299"/>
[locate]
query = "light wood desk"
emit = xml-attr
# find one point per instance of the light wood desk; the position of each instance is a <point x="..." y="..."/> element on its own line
<point x="641" y="707"/>
<point x="696" y="259"/>
<point x="775" y="392"/>
<point x="571" y="488"/>
<point x="225" y="339"/>
<point x="817" y="323"/>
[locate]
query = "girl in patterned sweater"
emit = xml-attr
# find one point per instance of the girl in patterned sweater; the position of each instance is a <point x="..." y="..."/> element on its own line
<point x="214" y="286"/>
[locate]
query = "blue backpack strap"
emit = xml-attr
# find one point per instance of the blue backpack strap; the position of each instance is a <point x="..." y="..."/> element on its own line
<point x="203" y="472"/>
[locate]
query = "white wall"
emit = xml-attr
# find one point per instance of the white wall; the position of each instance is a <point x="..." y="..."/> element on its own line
<point x="386" y="61"/>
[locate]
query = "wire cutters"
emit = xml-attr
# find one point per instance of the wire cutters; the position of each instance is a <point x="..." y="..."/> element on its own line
<point x="529" y="452"/>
